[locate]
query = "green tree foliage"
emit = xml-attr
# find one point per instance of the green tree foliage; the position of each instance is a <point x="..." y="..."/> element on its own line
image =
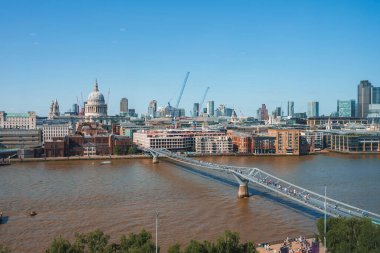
<point x="350" y="235"/>
<point x="228" y="243"/>
<point x="98" y="242"/>
<point x="60" y="245"/>
<point x="137" y="243"/>
<point x="4" y="249"/>
<point x="176" y="248"/>
<point x="132" y="150"/>
<point x="117" y="150"/>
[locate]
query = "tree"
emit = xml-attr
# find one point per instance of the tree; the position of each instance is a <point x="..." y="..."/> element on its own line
<point x="176" y="248"/>
<point x="137" y="243"/>
<point x="228" y="243"/>
<point x="117" y="150"/>
<point x="132" y="150"/>
<point x="350" y="235"/>
<point x="4" y="249"/>
<point x="60" y="245"/>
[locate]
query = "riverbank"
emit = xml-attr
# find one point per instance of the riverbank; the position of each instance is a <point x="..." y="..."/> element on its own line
<point x="77" y="158"/>
<point x="294" y="245"/>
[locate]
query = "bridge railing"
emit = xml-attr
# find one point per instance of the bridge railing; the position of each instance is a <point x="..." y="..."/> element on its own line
<point x="299" y="194"/>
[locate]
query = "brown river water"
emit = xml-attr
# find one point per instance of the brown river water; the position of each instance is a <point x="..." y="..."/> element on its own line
<point x="122" y="197"/>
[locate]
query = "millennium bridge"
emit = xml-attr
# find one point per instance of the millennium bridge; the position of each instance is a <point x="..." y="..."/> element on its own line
<point x="244" y="175"/>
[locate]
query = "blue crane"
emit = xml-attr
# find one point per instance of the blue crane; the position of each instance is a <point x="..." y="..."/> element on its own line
<point x="182" y="89"/>
<point x="203" y="100"/>
<point x="172" y="110"/>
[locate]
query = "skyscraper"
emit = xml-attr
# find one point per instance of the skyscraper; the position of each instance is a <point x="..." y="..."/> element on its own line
<point x="346" y="108"/>
<point x="312" y="109"/>
<point x="124" y="106"/>
<point x="375" y="95"/>
<point x="291" y="108"/>
<point x="264" y="112"/>
<point x="277" y="112"/>
<point x="210" y="108"/>
<point x="364" y="98"/>
<point x="196" y="110"/>
<point x="152" y="108"/>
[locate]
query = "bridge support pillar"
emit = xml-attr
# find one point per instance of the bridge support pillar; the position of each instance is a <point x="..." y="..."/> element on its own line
<point x="155" y="159"/>
<point x="243" y="187"/>
<point x="243" y="191"/>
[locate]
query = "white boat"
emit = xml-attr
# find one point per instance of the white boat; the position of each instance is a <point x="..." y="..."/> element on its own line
<point x="105" y="162"/>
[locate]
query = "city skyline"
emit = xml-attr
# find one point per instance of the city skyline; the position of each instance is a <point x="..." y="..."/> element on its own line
<point x="249" y="53"/>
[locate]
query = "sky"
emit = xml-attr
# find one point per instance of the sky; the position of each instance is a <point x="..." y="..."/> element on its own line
<point x="247" y="52"/>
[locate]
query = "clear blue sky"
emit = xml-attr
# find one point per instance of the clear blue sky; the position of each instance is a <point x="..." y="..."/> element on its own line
<point x="248" y="52"/>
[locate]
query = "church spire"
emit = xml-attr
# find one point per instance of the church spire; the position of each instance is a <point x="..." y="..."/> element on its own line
<point x="96" y="85"/>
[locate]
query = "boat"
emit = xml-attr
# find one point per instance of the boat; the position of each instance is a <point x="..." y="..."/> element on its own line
<point x="105" y="162"/>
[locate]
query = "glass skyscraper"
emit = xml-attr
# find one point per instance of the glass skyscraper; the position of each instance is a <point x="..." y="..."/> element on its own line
<point x="364" y="98"/>
<point x="313" y="109"/>
<point x="290" y="108"/>
<point x="346" y="108"/>
<point x="375" y="95"/>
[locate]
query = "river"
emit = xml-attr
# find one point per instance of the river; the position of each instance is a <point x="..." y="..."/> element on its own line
<point x="122" y="197"/>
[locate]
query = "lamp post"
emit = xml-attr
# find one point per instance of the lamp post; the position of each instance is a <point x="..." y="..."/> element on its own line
<point x="324" y="239"/>
<point x="156" y="232"/>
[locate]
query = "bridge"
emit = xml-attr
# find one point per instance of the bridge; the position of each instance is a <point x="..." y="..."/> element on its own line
<point x="244" y="175"/>
<point x="6" y="155"/>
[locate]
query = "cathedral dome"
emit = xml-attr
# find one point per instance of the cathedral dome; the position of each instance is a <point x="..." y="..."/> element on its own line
<point x="95" y="97"/>
<point x="95" y="106"/>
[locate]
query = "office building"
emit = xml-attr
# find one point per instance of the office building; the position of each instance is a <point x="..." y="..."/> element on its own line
<point x="346" y="108"/>
<point x="277" y="112"/>
<point x="124" y="106"/>
<point x="18" y="120"/>
<point x="364" y="98"/>
<point x="210" y="108"/>
<point x="196" y="110"/>
<point x="258" y="114"/>
<point x="375" y="95"/>
<point x="50" y="131"/>
<point x="75" y="109"/>
<point x="313" y="109"/>
<point x="291" y="108"/>
<point x="262" y="113"/>
<point x="213" y="144"/>
<point x="353" y="141"/>
<point x="152" y="109"/>
<point x="374" y="111"/>
<point x="287" y="141"/>
<point x="28" y="141"/>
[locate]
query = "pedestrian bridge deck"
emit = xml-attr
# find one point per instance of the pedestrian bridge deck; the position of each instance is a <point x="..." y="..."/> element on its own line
<point x="277" y="185"/>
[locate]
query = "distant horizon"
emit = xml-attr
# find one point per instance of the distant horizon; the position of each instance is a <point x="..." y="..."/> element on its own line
<point x="248" y="52"/>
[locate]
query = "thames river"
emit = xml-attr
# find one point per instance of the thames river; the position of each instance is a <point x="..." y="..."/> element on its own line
<point x="122" y="197"/>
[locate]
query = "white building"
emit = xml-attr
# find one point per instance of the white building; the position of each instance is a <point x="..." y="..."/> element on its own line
<point x="213" y="144"/>
<point x="175" y="140"/>
<point x="54" y="130"/>
<point x="18" y="120"/>
<point x="95" y="105"/>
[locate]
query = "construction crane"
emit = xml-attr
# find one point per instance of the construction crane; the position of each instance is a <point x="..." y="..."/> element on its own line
<point x="203" y="100"/>
<point x="182" y="89"/>
<point x="171" y="109"/>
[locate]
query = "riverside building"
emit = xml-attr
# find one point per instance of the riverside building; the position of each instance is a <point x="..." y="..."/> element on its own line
<point x="18" y="120"/>
<point x="49" y="131"/>
<point x="175" y="140"/>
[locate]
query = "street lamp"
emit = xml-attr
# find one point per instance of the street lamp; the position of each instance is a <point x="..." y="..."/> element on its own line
<point x="156" y="232"/>
<point x="324" y="239"/>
